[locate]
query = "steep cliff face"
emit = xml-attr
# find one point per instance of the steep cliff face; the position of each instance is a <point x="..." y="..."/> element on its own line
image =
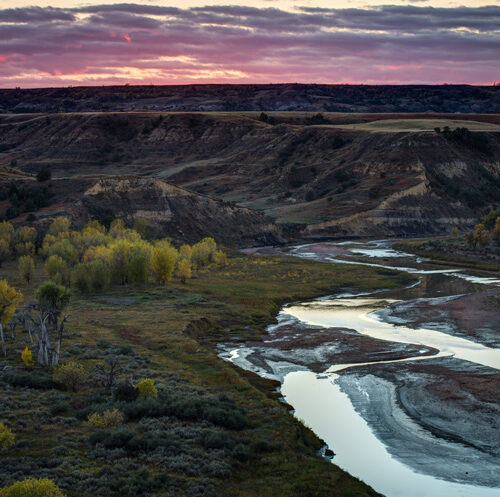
<point x="358" y="175"/>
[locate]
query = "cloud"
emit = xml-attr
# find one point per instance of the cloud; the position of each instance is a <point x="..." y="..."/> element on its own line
<point x="146" y="43"/>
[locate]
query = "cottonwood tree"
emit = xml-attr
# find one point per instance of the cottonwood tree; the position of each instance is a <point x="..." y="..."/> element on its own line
<point x="52" y="300"/>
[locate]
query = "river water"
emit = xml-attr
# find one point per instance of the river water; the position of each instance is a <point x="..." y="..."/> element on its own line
<point x="358" y="415"/>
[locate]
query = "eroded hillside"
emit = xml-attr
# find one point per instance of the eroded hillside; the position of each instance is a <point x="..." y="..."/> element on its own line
<point x="328" y="175"/>
<point x="171" y="210"/>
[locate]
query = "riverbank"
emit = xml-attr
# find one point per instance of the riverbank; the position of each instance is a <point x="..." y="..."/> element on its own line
<point x="168" y="333"/>
<point x="452" y="251"/>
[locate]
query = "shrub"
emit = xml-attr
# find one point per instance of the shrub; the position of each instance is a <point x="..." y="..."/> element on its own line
<point x="126" y="392"/>
<point x="41" y="380"/>
<point x="219" y="440"/>
<point x="72" y="376"/>
<point x="146" y="388"/>
<point x="32" y="488"/>
<point x="108" y="419"/>
<point x="7" y="438"/>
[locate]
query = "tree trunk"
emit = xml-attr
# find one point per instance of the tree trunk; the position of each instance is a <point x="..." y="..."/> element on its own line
<point x="55" y="360"/>
<point x="4" y="350"/>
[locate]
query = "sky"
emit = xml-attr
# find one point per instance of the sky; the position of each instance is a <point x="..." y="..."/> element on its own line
<point x="69" y="43"/>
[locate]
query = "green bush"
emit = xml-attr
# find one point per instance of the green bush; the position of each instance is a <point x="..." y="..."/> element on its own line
<point x="32" y="488"/>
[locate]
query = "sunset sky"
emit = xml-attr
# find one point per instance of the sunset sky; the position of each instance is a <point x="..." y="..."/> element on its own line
<point x="66" y="42"/>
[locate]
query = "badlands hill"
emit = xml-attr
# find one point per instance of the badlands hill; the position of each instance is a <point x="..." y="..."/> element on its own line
<point x="315" y="174"/>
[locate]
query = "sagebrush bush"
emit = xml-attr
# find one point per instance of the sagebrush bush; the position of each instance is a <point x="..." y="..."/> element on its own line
<point x="108" y="419"/>
<point x="7" y="438"/>
<point x="72" y="376"/>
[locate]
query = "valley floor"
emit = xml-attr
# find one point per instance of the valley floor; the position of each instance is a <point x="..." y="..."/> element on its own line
<point x="169" y="333"/>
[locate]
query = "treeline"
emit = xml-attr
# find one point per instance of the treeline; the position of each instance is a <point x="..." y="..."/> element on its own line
<point x="93" y="258"/>
<point x="487" y="231"/>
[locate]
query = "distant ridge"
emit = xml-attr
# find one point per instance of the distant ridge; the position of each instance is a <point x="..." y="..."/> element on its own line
<point x="271" y="97"/>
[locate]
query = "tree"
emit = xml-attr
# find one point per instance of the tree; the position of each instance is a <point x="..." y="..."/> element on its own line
<point x="52" y="300"/>
<point x="5" y="251"/>
<point x="117" y="228"/>
<point x="59" y="225"/>
<point x="490" y="219"/>
<point x="26" y="268"/>
<point x="6" y="232"/>
<point x="57" y="269"/>
<point x="32" y="488"/>
<point x="147" y="388"/>
<point x="204" y="252"/>
<point x="72" y="376"/>
<point x="496" y="231"/>
<point x="185" y="252"/>
<point x="44" y="174"/>
<point x="9" y="300"/>
<point x="184" y="270"/>
<point x="25" y="240"/>
<point x="481" y="235"/>
<point x="27" y="358"/>
<point x="119" y="260"/>
<point x="141" y="225"/>
<point x="163" y="262"/>
<point x="7" y="438"/>
<point x="138" y="265"/>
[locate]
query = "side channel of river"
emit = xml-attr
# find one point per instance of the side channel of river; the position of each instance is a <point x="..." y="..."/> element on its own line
<point x="397" y="383"/>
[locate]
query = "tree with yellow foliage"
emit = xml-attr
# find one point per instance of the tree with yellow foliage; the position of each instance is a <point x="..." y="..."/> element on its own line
<point x="163" y="261"/>
<point x="183" y="270"/>
<point x="6" y="232"/>
<point x="59" y="225"/>
<point x="57" y="269"/>
<point x="32" y="487"/>
<point x="203" y="252"/>
<point x="27" y="358"/>
<point x="25" y="240"/>
<point x="496" y="231"/>
<point x="9" y="300"/>
<point x="481" y="235"/>
<point x="185" y="252"/>
<point x="26" y="268"/>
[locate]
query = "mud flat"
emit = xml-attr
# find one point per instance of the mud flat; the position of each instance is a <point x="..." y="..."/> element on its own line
<point x="475" y="316"/>
<point x="441" y="417"/>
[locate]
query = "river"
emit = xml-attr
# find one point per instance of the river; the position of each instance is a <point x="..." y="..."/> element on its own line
<point x="397" y="421"/>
